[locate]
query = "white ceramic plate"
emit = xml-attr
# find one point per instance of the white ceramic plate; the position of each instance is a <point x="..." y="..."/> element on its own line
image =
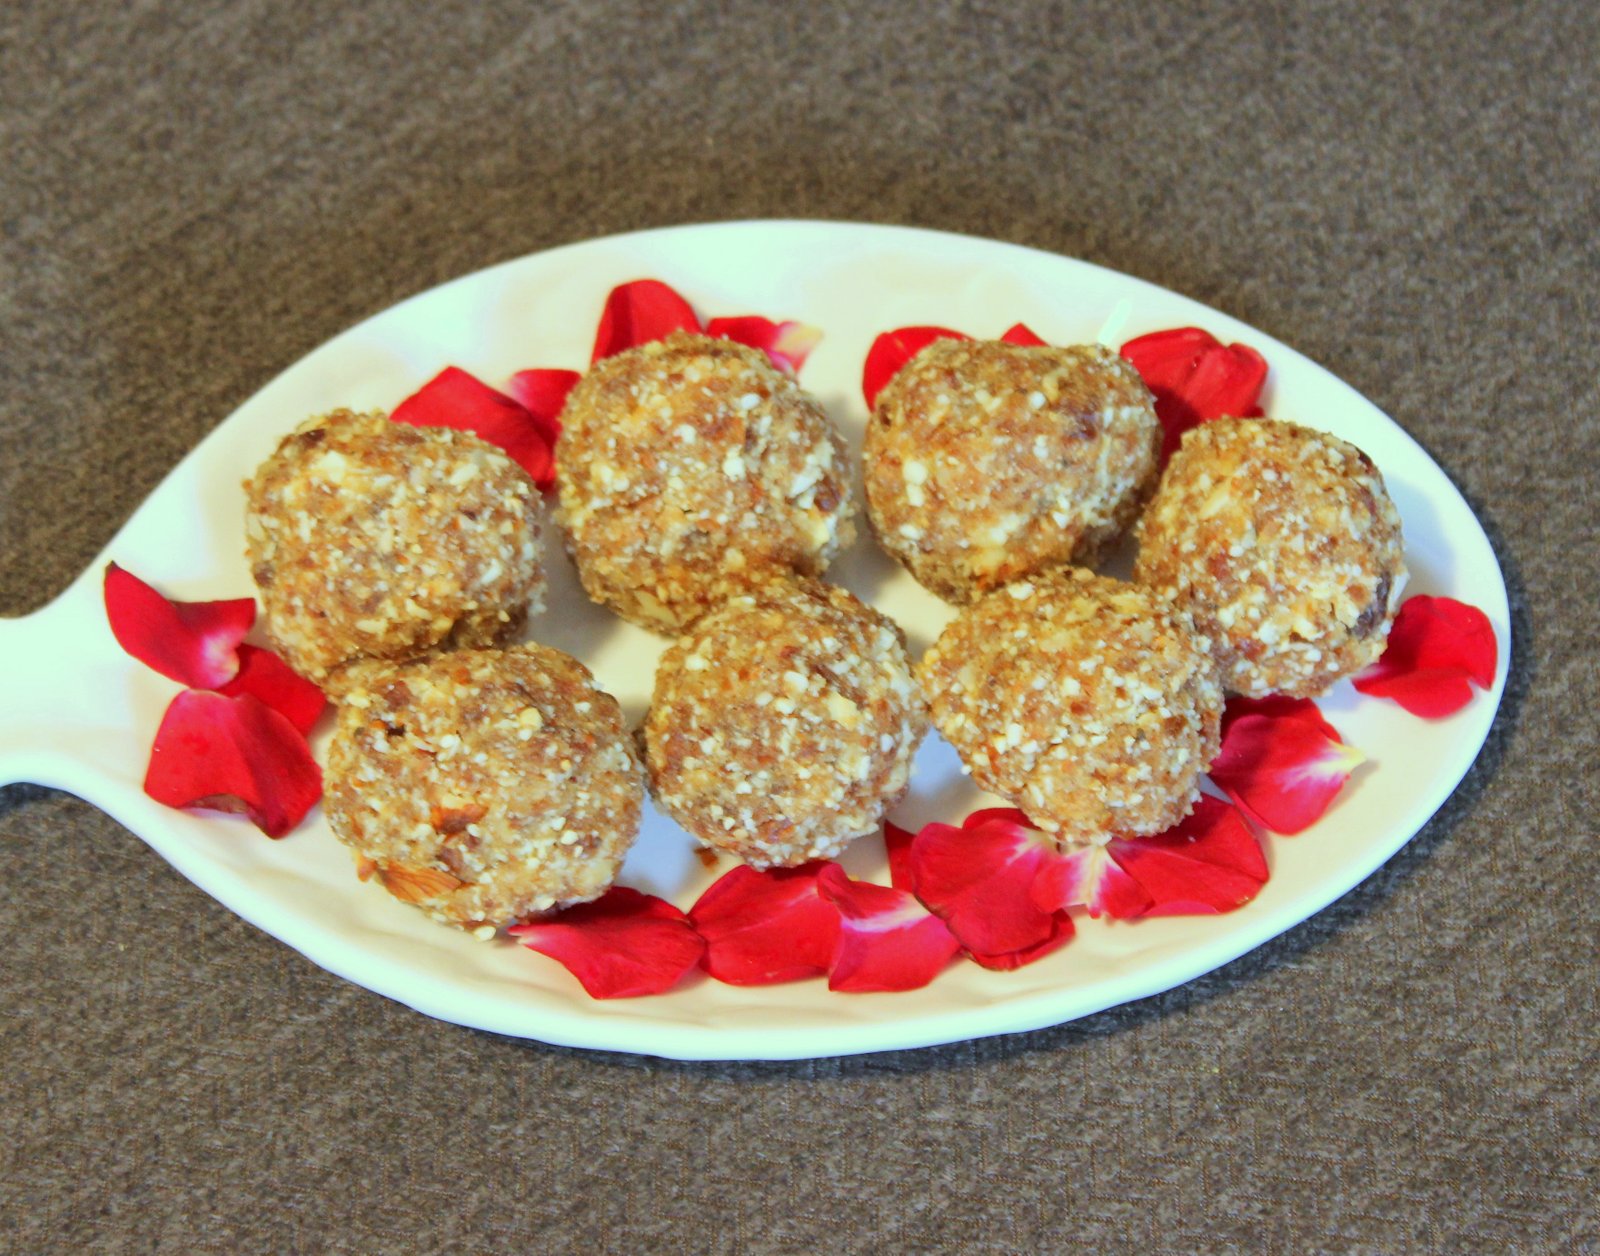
<point x="78" y="714"/>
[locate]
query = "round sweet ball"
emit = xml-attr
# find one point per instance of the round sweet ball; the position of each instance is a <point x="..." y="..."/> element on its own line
<point x="372" y="539"/>
<point x="691" y="470"/>
<point x="1283" y="544"/>
<point x="1090" y="703"/>
<point x="484" y="785"/>
<point x="988" y="461"/>
<point x="784" y="724"/>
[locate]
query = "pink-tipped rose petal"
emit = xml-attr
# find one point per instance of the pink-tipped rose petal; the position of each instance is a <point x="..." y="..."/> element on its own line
<point x="764" y="927"/>
<point x="1088" y="877"/>
<point x="233" y="754"/>
<point x="1437" y="650"/>
<point x="787" y="345"/>
<point x="453" y="398"/>
<point x="622" y="945"/>
<point x="980" y="880"/>
<point x="266" y="676"/>
<point x="887" y="940"/>
<point x="1195" y="378"/>
<point x="639" y="312"/>
<point x="1022" y="334"/>
<point x="892" y="350"/>
<point x="1281" y="763"/>
<point x="1210" y="862"/>
<point x="542" y="392"/>
<point x="193" y="643"/>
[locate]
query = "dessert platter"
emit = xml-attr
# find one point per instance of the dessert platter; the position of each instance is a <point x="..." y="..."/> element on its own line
<point x="662" y="672"/>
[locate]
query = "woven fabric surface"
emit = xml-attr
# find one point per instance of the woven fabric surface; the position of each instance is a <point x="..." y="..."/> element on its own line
<point x="194" y="196"/>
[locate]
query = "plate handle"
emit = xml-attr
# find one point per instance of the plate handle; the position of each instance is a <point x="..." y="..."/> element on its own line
<point x="63" y="685"/>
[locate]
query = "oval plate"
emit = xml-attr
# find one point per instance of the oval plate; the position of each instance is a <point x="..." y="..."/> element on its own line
<point x="81" y="714"/>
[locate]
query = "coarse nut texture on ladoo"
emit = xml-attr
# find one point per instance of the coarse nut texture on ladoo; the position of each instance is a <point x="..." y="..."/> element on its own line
<point x="784" y="724"/>
<point x="691" y="470"/>
<point x="372" y="539"/>
<point x="1284" y="545"/>
<point x="1091" y="704"/>
<point x="484" y="785"/>
<point x="987" y="461"/>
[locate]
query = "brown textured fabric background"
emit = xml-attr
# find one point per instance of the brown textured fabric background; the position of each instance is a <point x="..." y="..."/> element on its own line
<point x="192" y="196"/>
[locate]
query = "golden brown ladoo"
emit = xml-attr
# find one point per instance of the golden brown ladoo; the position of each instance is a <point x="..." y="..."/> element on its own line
<point x="484" y="785"/>
<point x="372" y="539"/>
<point x="1283" y="544"/>
<point x="1091" y="704"/>
<point x="987" y="461"/>
<point x="784" y="724"/>
<point x="691" y="470"/>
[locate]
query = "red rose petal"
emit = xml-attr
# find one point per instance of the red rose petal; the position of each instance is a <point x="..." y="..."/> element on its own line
<point x="1431" y="693"/>
<point x="233" y="754"/>
<point x="622" y="945"/>
<point x="1088" y="877"/>
<point x="1227" y="381"/>
<point x="1283" y="769"/>
<point x="887" y="940"/>
<point x="764" y="927"/>
<point x="453" y="398"/>
<point x="1061" y="931"/>
<point x="1017" y="819"/>
<point x="1022" y="334"/>
<point x="897" y="843"/>
<point x="1195" y="378"/>
<point x="639" y="312"/>
<point x="1277" y="706"/>
<point x="193" y="643"/>
<point x="1003" y="815"/>
<point x="542" y="392"/>
<point x="1166" y="359"/>
<point x="1437" y="649"/>
<point x="892" y="350"/>
<point x="979" y="879"/>
<point x="266" y="676"/>
<point x="787" y="345"/>
<point x="1210" y="862"/>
